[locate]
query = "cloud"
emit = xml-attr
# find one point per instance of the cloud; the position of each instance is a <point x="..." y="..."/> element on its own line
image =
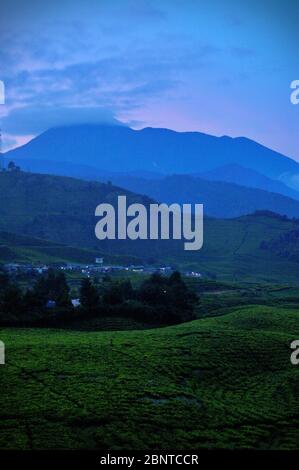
<point x="96" y="60"/>
<point x="8" y="142"/>
<point x="24" y="121"/>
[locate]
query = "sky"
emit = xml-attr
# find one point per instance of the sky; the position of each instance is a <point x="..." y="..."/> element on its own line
<point x="223" y="67"/>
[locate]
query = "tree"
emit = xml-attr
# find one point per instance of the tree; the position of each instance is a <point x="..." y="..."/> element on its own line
<point x="11" y="166"/>
<point x="175" y="278"/>
<point x="154" y="290"/>
<point x="4" y="280"/>
<point x="12" y="300"/>
<point x="118" y="292"/>
<point x="170" y="296"/>
<point x="62" y="291"/>
<point x="183" y="299"/>
<point x="52" y="286"/>
<point x="89" y="297"/>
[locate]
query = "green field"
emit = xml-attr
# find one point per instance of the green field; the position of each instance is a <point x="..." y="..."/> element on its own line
<point x="16" y="248"/>
<point x="223" y="382"/>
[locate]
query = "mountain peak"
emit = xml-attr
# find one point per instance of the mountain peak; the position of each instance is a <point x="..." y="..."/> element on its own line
<point x="117" y="148"/>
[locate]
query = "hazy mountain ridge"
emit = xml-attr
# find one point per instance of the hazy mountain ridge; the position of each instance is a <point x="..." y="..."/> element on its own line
<point x="220" y="199"/>
<point x="237" y="174"/>
<point x="121" y="149"/>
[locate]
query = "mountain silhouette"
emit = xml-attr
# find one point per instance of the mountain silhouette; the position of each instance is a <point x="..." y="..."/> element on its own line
<point x="106" y="148"/>
<point x="238" y="174"/>
<point x="220" y="199"/>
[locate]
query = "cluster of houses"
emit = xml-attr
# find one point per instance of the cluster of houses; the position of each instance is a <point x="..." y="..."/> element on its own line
<point x="91" y="269"/>
<point x="16" y="268"/>
<point x="193" y="274"/>
<point x="88" y="270"/>
<point x="52" y="304"/>
<point x="105" y="269"/>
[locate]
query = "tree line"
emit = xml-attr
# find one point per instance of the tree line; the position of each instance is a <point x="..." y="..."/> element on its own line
<point x="158" y="300"/>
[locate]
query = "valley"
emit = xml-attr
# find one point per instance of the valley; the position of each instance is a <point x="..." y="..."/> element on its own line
<point x="149" y="232"/>
<point x="117" y="377"/>
<point x="113" y="374"/>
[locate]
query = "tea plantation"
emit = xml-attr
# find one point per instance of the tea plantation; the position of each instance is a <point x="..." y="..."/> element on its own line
<point x="222" y="382"/>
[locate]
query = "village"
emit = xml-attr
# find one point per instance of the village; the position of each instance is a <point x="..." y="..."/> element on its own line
<point x="93" y="269"/>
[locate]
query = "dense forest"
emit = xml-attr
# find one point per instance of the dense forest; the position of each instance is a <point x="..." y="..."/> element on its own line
<point x="158" y="299"/>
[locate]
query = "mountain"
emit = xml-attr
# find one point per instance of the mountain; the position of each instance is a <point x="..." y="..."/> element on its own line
<point x="220" y="199"/>
<point x="61" y="210"/>
<point x="238" y="174"/>
<point x="121" y="149"/>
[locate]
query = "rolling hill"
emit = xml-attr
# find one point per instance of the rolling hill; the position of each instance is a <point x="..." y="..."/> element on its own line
<point x="223" y="382"/>
<point x="55" y="208"/>
<point x="220" y="199"/>
<point x="237" y="174"/>
<point x="62" y="210"/>
<point x="121" y="149"/>
<point x="21" y="249"/>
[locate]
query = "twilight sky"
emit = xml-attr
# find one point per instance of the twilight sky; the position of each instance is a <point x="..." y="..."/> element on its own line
<point x="222" y="67"/>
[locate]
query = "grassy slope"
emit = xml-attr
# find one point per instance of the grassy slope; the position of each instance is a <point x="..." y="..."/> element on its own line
<point x="22" y="249"/>
<point x="232" y="250"/>
<point x="62" y="210"/>
<point x="218" y="382"/>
